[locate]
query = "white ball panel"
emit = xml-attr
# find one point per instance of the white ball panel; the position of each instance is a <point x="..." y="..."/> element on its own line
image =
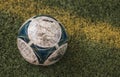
<point x="60" y="51"/>
<point x="27" y="52"/>
<point x="44" y="31"/>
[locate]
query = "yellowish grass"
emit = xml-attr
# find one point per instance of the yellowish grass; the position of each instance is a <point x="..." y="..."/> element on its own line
<point x="103" y="32"/>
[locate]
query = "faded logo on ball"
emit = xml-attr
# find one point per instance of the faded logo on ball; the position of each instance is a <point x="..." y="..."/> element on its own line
<point x="42" y="40"/>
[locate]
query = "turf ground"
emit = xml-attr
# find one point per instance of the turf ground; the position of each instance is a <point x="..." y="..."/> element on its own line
<point x="93" y="27"/>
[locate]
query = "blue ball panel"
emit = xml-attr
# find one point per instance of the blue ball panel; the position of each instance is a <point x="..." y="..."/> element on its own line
<point x="42" y="53"/>
<point x="23" y="34"/>
<point x="64" y="36"/>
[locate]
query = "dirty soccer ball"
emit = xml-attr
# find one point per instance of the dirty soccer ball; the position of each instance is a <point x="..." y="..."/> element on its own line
<point x="42" y="40"/>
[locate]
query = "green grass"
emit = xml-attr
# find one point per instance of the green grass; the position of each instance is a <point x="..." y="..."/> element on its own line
<point x="93" y="27"/>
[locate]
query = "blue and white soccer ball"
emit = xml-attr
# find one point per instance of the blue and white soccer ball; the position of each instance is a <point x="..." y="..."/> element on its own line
<point x="42" y="40"/>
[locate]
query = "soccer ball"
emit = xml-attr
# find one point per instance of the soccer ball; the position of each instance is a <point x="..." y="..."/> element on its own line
<point x="42" y="40"/>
